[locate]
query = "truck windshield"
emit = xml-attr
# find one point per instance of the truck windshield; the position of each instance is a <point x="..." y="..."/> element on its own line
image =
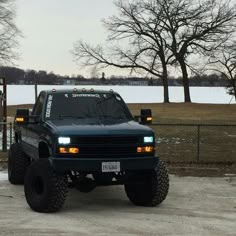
<point x="86" y="105"/>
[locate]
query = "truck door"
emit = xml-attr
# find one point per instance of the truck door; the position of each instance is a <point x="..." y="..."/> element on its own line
<point x="35" y="129"/>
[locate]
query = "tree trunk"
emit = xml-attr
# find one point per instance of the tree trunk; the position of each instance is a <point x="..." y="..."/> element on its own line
<point x="185" y="81"/>
<point x="234" y="88"/>
<point x="165" y="84"/>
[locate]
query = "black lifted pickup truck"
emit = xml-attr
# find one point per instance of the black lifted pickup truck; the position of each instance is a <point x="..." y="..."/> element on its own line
<point x="84" y="138"/>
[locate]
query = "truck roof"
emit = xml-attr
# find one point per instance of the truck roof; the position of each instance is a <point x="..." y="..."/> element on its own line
<point x="79" y="90"/>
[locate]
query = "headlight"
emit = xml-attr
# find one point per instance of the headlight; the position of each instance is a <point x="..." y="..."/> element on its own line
<point x="64" y="140"/>
<point x="148" y="139"/>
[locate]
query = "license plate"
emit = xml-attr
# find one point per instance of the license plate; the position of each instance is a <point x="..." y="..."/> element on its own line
<point x="110" y="166"/>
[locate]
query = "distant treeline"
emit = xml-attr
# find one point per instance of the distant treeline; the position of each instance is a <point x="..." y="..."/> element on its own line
<point x="15" y="75"/>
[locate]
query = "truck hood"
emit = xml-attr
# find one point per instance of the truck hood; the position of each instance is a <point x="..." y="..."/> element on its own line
<point x="73" y="127"/>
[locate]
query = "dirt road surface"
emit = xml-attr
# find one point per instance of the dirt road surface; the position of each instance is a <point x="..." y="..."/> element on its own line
<point x="195" y="206"/>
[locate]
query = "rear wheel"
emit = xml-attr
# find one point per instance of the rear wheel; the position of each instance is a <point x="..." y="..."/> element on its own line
<point x="18" y="163"/>
<point x="45" y="190"/>
<point x="153" y="188"/>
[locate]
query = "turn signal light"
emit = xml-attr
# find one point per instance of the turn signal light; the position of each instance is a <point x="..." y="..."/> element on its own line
<point x="19" y="119"/>
<point x="70" y="150"/>
<point x="147" y="149"/>
<point x="149" y="118"/>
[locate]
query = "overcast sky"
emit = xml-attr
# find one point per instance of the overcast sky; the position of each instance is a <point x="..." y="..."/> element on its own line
<point x="50" y="27"/>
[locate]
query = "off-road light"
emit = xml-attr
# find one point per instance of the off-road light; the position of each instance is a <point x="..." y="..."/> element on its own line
<point x="92" y="90"/>
<point x="68" y="150"/>
<point x="84" y="90"/>
<point x="148" y="139"/>
<point x="64" y="140"/>
<point x="146" y="149"/>
<point x="75" y="90"/>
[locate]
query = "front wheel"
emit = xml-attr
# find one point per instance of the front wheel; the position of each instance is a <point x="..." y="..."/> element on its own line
<point x="153" y="188"/>
<point x="45" y="190"/>
<point x="18" y="163"/>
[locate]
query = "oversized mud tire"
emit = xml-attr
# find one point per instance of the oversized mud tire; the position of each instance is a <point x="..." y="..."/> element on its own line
<point x="152" y="190"/>
<point x="45" y="190"/>
<point x="18" y="163"/>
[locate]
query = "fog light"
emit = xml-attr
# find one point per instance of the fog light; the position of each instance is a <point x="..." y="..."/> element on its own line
<point x="146" y="149"/>
<point x="139" y="149"/>
<point x="68" y="150"/>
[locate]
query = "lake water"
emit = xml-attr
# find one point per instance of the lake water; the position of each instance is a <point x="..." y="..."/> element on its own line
<point x="24" y="94"/>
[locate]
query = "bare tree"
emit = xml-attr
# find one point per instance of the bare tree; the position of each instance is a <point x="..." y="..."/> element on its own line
<point x="196" y="27"/>
<point x="161" y="33"/>
<point x="144" y="36"/>
<point x="224" y="62"/>
<point x="8" y="32"/>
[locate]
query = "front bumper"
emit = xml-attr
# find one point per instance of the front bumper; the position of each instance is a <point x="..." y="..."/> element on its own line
<point x="95" y="164"/>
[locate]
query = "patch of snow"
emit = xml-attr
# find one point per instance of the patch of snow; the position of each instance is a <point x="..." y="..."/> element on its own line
<point x="3" y="176"/>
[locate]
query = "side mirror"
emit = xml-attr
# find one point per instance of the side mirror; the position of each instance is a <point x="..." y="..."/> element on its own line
<point x="22" y="116"/>
<point x="34" y="119"/>
<point x="146" y="116"/>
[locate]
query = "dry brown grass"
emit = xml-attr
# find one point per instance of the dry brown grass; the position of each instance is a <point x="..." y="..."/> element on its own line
<point x="189" y="112"/>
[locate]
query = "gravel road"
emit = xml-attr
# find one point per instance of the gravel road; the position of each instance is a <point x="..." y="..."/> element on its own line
<point x="194" y="206"/>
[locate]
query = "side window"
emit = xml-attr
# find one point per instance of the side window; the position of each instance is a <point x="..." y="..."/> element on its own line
<point x="39" y="105"/>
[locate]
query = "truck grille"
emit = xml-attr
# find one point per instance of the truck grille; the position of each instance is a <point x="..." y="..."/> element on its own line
<point x="106" y="140"/>
<point x="108" y="146"/>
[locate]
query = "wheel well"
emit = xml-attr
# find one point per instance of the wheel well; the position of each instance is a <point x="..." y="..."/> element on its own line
<point x="43" y="150"/>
